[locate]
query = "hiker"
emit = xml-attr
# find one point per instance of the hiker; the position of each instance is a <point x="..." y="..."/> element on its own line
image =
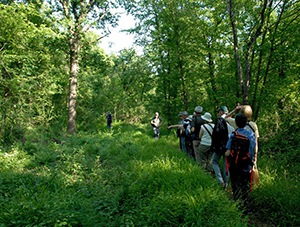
<point x="221" y="132"/>
<point x="156" y="122"/>
<point x="196" y="123"/>
<point x="204" y="154"/>
<point x="240" y="155"/>
<point x="109" y="120"/>
<point x="251" y="125"/>
<point x="180" y="130"/>
<point x="188" y="135"/>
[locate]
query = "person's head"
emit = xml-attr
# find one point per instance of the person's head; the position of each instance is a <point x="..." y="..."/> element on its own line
<point x="185" y="114"/>
<point x="222" y="110"/>
<point x="207" y="117"/>
<point x="241" y="120"/>
<point x="156" y="114"/>
<point x="247" y="110"/>
<point x="198" y="110"/>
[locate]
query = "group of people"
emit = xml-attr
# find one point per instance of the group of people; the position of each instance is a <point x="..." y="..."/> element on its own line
<point x="227" y="138"/>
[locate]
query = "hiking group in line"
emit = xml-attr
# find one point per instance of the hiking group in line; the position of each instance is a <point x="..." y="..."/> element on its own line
<point x="234" y="140"/>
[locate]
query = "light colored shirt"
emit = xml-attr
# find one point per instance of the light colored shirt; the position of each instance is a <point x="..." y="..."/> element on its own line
<point x="206" y="137"/>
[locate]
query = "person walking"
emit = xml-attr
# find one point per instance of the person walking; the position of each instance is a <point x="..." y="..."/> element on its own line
<point x="221" y="132"/>
<point x="188" y="135"/>
<point x="240" y="154"/>
<point x="196" y="123"/>
<point x="109" y="120"/>
<point x="181" y="130"/>
<point x="204" y="154"/>
<point x="251" y="125"/>
<point x="156" y="122"/>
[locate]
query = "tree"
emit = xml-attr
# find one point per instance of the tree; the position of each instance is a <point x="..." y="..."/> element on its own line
<point x="253" y="26"/>
<point x="79" y="17"/>
<point x="30" y="55"/>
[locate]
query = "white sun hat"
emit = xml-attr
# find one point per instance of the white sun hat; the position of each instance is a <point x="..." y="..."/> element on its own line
<point x="207" y="117"/>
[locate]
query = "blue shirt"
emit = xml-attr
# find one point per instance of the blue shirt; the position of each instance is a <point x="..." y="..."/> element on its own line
<point x="250" y="135"/>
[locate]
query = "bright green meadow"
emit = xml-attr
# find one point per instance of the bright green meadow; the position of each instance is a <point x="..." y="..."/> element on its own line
<point x="124" y="177"/>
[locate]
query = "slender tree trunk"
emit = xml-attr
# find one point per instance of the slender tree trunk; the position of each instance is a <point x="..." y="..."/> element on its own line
<point x="236" y="49"/>
<point x="74" y="65"/>
<point x="271" y="53"/>
<point x="245" y="78"/>
<point x="212" y="77"/>
<point x="254" y="103"/>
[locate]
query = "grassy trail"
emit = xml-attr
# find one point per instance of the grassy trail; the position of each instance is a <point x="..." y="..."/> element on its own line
<point x="121" y="177"/>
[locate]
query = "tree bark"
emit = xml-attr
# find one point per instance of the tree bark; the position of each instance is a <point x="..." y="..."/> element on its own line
<point x="74" y="65"/>
<point x="236" y="51"/>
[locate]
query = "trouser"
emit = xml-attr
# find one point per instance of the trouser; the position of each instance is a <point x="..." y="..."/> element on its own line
<point x="203" y="157"/>
<point x="221" y="176"/>
<point x="189" y="147"/>
<point x="196" y="144"/>
<point x="182" y="144"/>
<point x="156" y="132"/>
<point x="240" y="184"/>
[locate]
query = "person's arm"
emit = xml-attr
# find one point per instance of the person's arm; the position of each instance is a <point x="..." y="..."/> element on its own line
<point x="255" y="151"/>
<point x="200" y="133"/>
<point x="235" y="110"/>
<point x="175" y="126"/>
<point x="252" y="146"/>
<point x="228" y="146"/>
<point x="256" y="133"/>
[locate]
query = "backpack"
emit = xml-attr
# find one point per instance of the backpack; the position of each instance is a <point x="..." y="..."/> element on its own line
<point x="187" y="129"/>
<point x="198" y="121"/>
<point x="239" y="157"/>
<point x="219" y="136"/>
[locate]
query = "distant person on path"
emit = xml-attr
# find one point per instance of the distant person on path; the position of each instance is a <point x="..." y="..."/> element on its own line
<point x="220" y="135"/>
<point x="196" y="123"/>
<point x="204" y="153"/>
<point x="109" y="120"/>
<point x="240" y="154"/>
<point x="156" y="122"/>
<point x="180" y="130"/>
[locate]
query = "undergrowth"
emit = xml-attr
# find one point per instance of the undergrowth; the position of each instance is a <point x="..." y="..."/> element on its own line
<point x="124" y="177"/>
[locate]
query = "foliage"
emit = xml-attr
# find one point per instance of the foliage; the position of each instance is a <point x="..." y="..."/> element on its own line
<point x="276" y="198"/>
<point x="31" y="81"/>
<point x="123" y="177"/>
<point x="110" y="178"/>
<point x="93" y="72"/>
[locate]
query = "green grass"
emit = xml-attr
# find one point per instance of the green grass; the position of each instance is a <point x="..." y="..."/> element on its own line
<point x="122" y="177"/>
<point x="277" y="198"/>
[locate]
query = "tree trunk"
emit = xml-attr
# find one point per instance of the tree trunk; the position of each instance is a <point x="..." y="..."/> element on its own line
<point x="236" y="49"/>
<point x="212" y="77"/>
<point x="74" y="48"/>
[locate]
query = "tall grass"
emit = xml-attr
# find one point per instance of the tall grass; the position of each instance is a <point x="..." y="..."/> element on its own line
<point x="121" y="177"/>
<point x="277" y="198"/>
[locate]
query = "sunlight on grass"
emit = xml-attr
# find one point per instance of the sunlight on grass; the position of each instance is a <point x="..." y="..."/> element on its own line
<point x="124" y="177"/>
<point x="16" y="160"/>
